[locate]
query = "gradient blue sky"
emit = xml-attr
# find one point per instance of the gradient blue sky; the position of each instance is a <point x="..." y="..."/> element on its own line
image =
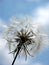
<point x="39" y="12"/>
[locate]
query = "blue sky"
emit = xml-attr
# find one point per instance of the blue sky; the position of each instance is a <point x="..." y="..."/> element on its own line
<point x="38" y="11"/>
<point x="10" y="8"/>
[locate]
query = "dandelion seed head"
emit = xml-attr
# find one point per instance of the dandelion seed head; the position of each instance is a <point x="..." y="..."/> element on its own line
<point x="23" y="33"/>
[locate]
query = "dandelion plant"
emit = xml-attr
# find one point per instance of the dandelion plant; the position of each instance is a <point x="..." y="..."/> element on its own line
<point x="23" y="37"/>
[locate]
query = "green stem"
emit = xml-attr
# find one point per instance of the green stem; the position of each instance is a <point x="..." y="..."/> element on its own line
<point x="18" y="47"/>
<point x="15" y="57"/>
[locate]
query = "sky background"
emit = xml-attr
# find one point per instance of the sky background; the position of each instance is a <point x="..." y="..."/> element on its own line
<point x="38" y="12"/>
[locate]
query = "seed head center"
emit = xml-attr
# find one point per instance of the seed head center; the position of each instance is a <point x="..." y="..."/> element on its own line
<point x="23" y="38"/>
